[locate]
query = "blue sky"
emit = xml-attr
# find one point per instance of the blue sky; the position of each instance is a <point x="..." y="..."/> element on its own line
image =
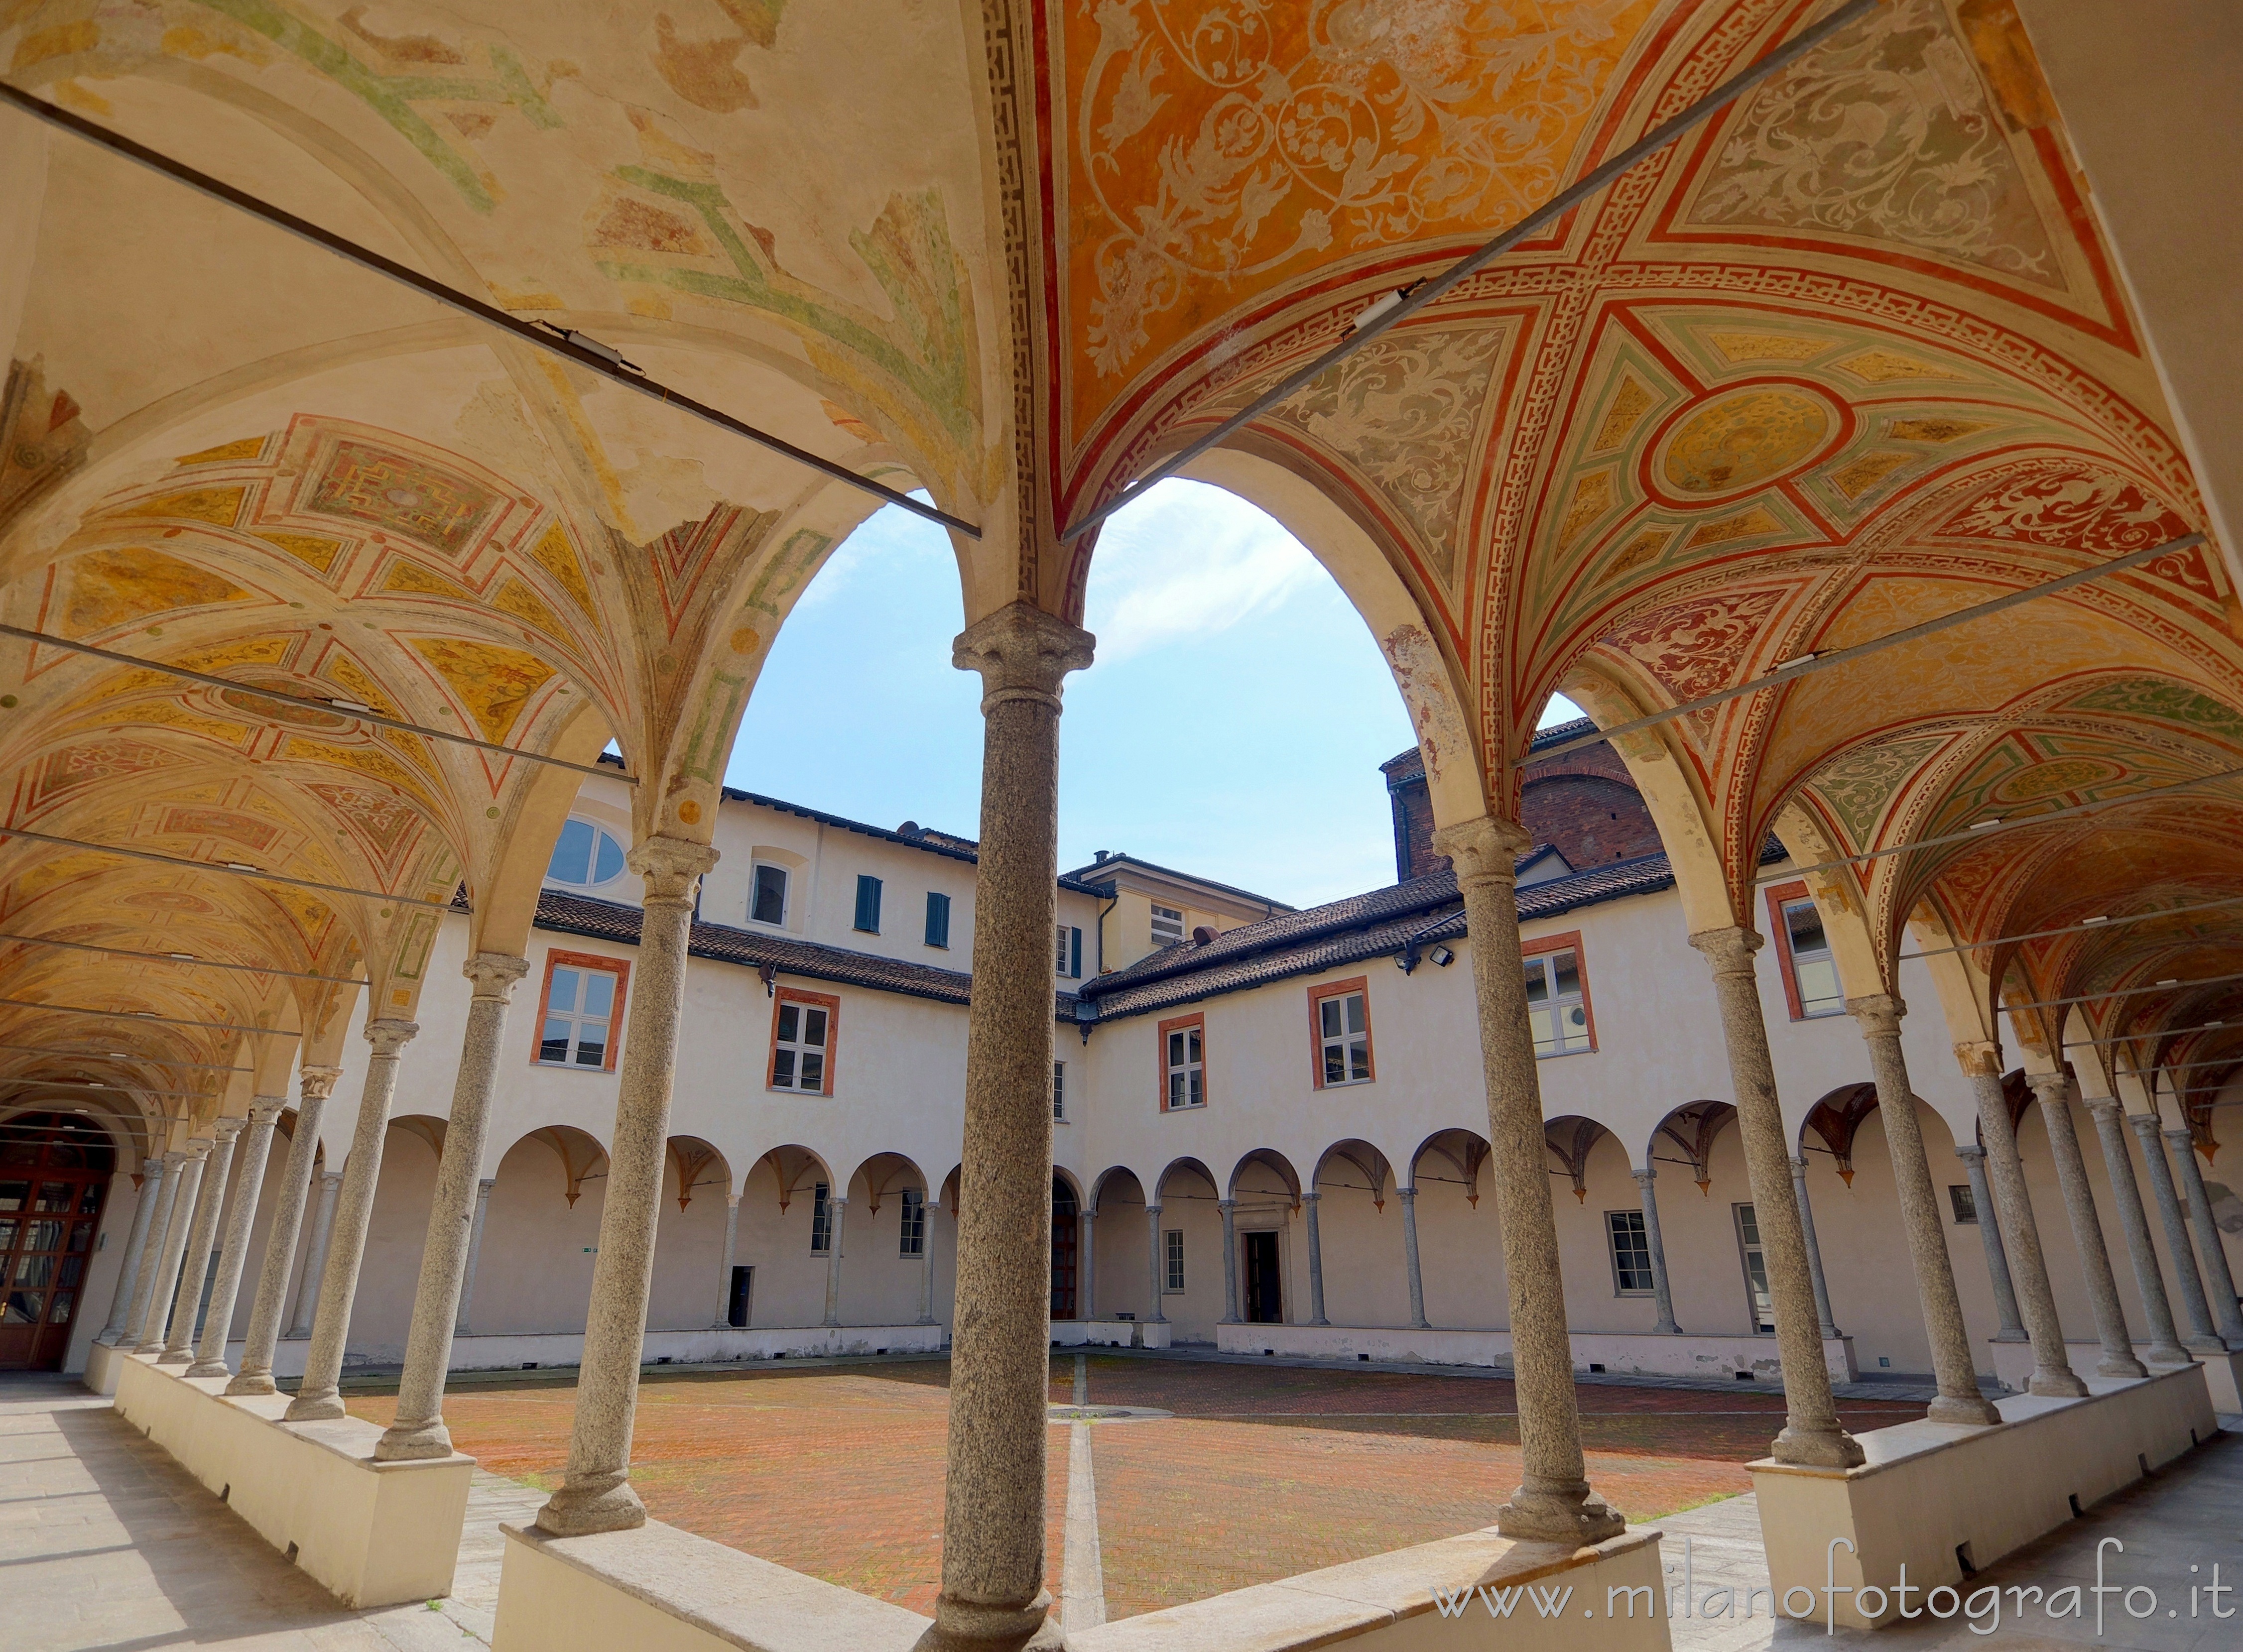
<point x="1232" y="726"/>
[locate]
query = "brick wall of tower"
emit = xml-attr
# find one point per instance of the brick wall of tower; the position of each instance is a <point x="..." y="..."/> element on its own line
<point x="1582" y="802"/>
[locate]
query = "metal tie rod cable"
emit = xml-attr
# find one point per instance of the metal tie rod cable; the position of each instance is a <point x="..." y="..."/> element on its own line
<point x="1392" y="310"/>
<point x="334" y="707"/>
<point x="570" y="346"/>
<point x="187" y="959"/>
<point x="2162" y="1032"/>
<point x="2123" y="992"/>
<point x="243" y="871"/>
<point x="122" y="1055"/>
<point x="2042" y="935"/>
<point x="1995" y="828"/>
<point x="148" y="1016"/>
<point x="1808" y="665"/>
<point x="2192" y="1066"/>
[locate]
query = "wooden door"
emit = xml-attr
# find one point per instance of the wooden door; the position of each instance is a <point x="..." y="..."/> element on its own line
<point x="54" y="1174"/>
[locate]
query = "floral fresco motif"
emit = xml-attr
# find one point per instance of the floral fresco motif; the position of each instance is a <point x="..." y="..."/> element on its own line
<point x="1886" y="132"/>
<point x="2072" y="507"/>
<point x="1404" y="410"/>
<point x="1695" y="647"/>
<point x="1857" y="786"/>
<point x="1221" y="143"/>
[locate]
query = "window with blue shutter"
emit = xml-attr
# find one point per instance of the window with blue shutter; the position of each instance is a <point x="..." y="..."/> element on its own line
<point x="868" y="905"/>
<point x="937" y="917"/>
<point x="1067" y="957"/>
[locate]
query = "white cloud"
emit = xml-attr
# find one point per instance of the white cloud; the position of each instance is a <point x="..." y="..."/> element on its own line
<point x="1186" y="563"/>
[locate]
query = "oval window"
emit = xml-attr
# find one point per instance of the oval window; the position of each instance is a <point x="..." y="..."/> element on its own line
<point x="585" y="857"/>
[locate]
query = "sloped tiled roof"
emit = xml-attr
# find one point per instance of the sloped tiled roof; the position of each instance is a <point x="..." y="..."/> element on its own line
<point x="568" y="914"/>
<point x="1376" y="924"/>
<point x="1379" y="925"/>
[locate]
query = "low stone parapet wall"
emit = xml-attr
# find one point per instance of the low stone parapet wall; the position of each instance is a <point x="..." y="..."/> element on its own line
<point x="2223" y="1373"/>
<point x="660" y="1590"/>
<point x="1933" y="1496"/>
<point x="373" y="1533"/>
<point x="1720" y="1358"/>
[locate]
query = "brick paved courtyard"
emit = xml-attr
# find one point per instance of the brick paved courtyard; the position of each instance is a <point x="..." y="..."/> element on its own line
<point x="1263" y="1471"/>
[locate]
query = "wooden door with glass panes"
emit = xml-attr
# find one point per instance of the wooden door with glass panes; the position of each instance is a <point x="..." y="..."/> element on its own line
<point x="54" y="1172"/>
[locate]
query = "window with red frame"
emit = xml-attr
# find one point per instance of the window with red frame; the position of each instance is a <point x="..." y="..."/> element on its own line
<point x="581" y="1010"/>
<point x="803" y="1029"/>
<point x="1184" y="1063"/>
<point x="1558" y="996"/>
<point x="1339" y="1016"/>
<point x="1802" y="950"/>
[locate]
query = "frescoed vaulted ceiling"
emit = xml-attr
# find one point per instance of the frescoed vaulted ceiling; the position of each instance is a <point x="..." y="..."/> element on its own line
<point x="1853" y="355"/>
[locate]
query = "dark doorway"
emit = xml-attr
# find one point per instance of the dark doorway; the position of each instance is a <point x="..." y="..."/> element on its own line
<point x="743" y="1287"/>
<point x="1265" y="1301"/>
<point x="54" y="1174"/>
<point x="1066" y="1231"/>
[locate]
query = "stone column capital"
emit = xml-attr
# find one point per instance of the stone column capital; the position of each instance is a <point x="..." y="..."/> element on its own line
<point x="1310" y="1197"/>
<point x="1879" y="1014"/>
<point x="2053" y="1088"/>
<point x="494" y="974"/>
<point x="198" y="1148"/>
<point x="835" y="1201"/>
<point x="1090" y="1212"/>
<point x="389" y="1034"/>
<point x="1407" y="1195"/>
<point x="483" y="1186"/>
<point x="1645" y="1177"/>
<point x="1970" y="1152"/>
<point x="2144" y="1125"/>
<point x="331" y="1179"/>
<point x="151" y="1166"/>
<point x="175" y="1157"/>
<point x="732" y="1201"/>
<point x="1729" y="950"/>
<point x="2181" y="1135"/>
<point x="1152" y="1210"/>
<point x="264" y="1109"/>
<point x="317" y="1083"/>
<point x="1226" y="1204"/>
<point x="1979" y="1057"/>
<point x="1022" y="653"/>
<point x="2096" y="1105"/>
<point x="227" y="1129"/>
<point x="1485" y="848"/>
<point x="669" y="867"/>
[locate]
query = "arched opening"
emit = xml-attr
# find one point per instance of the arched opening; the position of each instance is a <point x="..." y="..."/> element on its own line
<point x="54" y="1181"/>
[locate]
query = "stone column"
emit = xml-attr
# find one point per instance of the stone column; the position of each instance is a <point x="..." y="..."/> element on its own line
<point x="1412" y="1269"/>
<point x="1160" y="1265"/>
<point x="1554" y="1502"/>
<point x="315" y="1255"/>
<point x="927" y="1266"/>
<point x="2053" y="1092"/>
<point x="1663" y="1297"/>
<point x="595" y="1496"/>
<point x="1811" y="1433"/>
<point x="993" y="1551"/>
<point x="837" y="1215"/>
<point x="1989" y="1239"/>
<point x="320" y="1395"/>
<point x="186" y="1180"/>
<point x="1830" y="1331"/>
<point x="2133" y="1221"/>
<point x="1087" y="1249"/>
<point x="440" y="1295"/>
<point x="2202" y="1339"/>
<point x="1231" y="1262"/>
<point x="133" y="1266"/>
<point x="1308" y="1203"/>
<point x="460" y="1326"/>
<point x="724" y="1269"/>
<point x="2218" y="1278"/>
<point x="2053" y="1371"/>
<point x="202" y="1239"/>
<point x="1959" y="1400"/>
<point x="241" y="1215"/>
<point x="314" y="1085"/>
